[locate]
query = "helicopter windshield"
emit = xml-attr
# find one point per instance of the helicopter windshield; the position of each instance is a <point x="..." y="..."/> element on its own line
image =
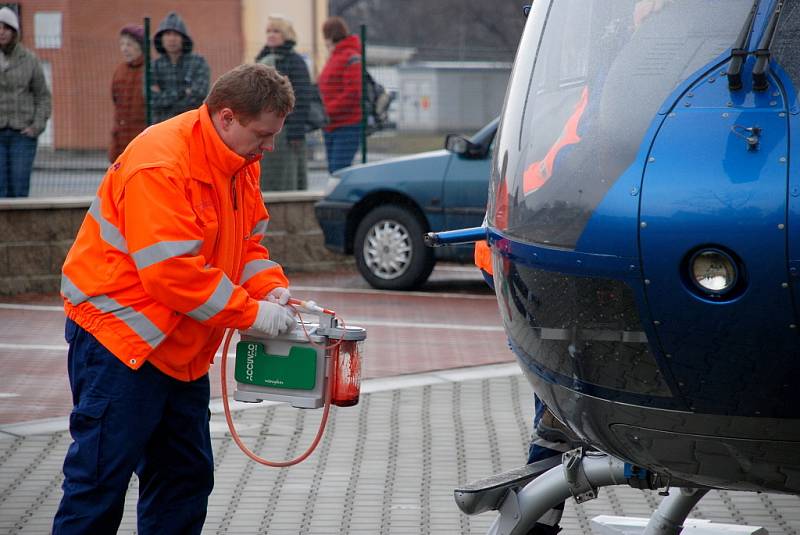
<point x="786" y="46"/>
<point x="598" y="72"/>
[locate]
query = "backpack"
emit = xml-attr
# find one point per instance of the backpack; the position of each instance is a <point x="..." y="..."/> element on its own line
<point x="317" y="116"/>
<point x="377" y="101"/>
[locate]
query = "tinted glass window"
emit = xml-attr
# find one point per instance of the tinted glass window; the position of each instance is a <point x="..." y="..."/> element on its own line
<point x="601" y="72"/>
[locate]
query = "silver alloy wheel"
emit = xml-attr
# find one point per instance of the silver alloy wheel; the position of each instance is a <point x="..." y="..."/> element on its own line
<point x="387" y="249"/>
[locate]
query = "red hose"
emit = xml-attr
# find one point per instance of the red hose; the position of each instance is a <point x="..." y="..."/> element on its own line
<point x="235" y="435"/>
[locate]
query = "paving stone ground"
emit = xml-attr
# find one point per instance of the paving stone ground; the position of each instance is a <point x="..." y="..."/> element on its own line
<point x="386" y="466"/>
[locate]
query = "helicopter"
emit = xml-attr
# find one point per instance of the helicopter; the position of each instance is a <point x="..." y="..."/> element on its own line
<point x="643" y="222"/>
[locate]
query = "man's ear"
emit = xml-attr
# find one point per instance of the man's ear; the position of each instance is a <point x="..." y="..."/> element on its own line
<point x="226" y="118"/>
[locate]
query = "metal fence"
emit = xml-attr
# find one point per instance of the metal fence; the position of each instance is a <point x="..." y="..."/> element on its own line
<point x="428" y="98"/>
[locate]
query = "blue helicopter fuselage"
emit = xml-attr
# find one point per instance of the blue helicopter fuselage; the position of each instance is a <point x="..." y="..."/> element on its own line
<point x="643" y="217"/>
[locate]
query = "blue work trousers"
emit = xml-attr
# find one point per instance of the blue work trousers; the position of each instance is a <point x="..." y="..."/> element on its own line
<point x="341" y="145"/>
<point x="16" y="162"/>
<point x="125" y="421"/>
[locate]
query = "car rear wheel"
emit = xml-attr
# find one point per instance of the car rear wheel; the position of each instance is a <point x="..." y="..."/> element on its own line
<point x="389" y="249"/>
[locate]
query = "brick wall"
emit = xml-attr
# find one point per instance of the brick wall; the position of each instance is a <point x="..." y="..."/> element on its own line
<point x="35" y="235"/>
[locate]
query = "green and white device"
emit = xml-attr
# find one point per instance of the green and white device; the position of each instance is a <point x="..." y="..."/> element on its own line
<point x="284" y="368"/>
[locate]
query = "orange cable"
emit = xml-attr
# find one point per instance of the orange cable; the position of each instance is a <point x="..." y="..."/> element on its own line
<point x="229" y="419"/>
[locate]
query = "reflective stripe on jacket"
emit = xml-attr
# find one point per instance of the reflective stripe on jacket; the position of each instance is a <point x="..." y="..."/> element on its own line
<point x="169" y="254"/>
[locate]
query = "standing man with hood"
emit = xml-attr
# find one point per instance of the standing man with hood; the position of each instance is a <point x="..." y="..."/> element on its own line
<point x="180" y="77"/>
<point x="24" y="108"/>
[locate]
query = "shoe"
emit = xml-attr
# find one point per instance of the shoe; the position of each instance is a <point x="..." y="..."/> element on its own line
<point x="551" y="429"/>
<point x="544" y="529"/>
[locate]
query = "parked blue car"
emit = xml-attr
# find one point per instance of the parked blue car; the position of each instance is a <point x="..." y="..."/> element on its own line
<point x="379" y="212"/>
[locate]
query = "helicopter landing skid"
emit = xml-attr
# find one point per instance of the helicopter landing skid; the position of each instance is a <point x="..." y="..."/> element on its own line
<point x="525" y="494"/>
<point x="670" y="518"/>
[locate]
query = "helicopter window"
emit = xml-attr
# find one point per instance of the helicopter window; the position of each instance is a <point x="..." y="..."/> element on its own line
<point x="602" y="71"/>
<point x="786" y="44"/>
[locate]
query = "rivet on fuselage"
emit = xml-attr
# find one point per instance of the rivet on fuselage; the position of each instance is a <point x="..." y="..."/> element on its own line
<point x="726" y="115"/>
<point x="656" y="322"/>
<point x="784" y="285"/>
<point x="651" y="159"/>
<point x="782" y="159"/>
<point x="781" y="226"/>
<point x="647" y="281"/>
<point x="643" y="224"/>
<point x="792" y="326"/>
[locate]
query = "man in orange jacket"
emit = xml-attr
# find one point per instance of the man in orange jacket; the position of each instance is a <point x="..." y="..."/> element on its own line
<point x="167" y="258"/>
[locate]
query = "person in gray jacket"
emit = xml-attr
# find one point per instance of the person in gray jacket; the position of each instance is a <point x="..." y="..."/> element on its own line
<point x="24" y="108"/>
<point x="180" y="78"/>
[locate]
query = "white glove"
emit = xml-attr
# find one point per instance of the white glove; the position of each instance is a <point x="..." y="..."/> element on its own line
<point x="272" y="319"/>
<point x="279" y="295"/>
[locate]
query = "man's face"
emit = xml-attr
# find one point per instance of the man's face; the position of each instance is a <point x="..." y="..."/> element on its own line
<point x="6" y="34"/>
<point x="172" y="41"/>
<point x="251" y="139"/>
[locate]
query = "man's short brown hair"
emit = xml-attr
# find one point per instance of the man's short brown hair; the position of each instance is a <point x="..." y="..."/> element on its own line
<point x="335" y="29"/>
<point x="250" y="89"/>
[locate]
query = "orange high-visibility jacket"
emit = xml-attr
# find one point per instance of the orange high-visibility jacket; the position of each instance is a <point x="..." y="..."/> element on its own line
<point x="169" y="254"/>
<point x="483" y="256"/>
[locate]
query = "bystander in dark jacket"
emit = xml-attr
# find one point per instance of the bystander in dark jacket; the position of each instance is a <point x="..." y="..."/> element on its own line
<point x="180" y="77"/>
<point x="25" y="106"/>
<point x="285" y="167"/>
<point x="127" y="91"/>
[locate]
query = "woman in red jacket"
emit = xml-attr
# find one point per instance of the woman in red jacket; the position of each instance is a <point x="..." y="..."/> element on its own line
<point x="127" y="91"/>
<point x="340" y="88"/>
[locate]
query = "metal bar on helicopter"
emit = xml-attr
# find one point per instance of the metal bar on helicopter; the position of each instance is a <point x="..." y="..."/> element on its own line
<point x="763" y="52"/>
<point x="739" y="51"/>
<point x="451" y="237"/>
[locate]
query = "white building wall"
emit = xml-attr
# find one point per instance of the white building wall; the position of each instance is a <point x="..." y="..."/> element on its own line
<point x="450" y="97"/>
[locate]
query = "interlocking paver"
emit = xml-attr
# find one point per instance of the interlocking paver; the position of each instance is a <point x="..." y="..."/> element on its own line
<point x="329" y="495"/>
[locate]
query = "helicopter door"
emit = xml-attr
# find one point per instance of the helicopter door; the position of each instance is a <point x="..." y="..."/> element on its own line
<point x="713" y="249"/>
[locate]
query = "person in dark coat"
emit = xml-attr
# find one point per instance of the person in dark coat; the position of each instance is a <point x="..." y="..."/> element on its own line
<point x="127" y="91"/>
<point x="285" y="168"/>
<point x="180" y="77"/>
<point x="340" y="87"/>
